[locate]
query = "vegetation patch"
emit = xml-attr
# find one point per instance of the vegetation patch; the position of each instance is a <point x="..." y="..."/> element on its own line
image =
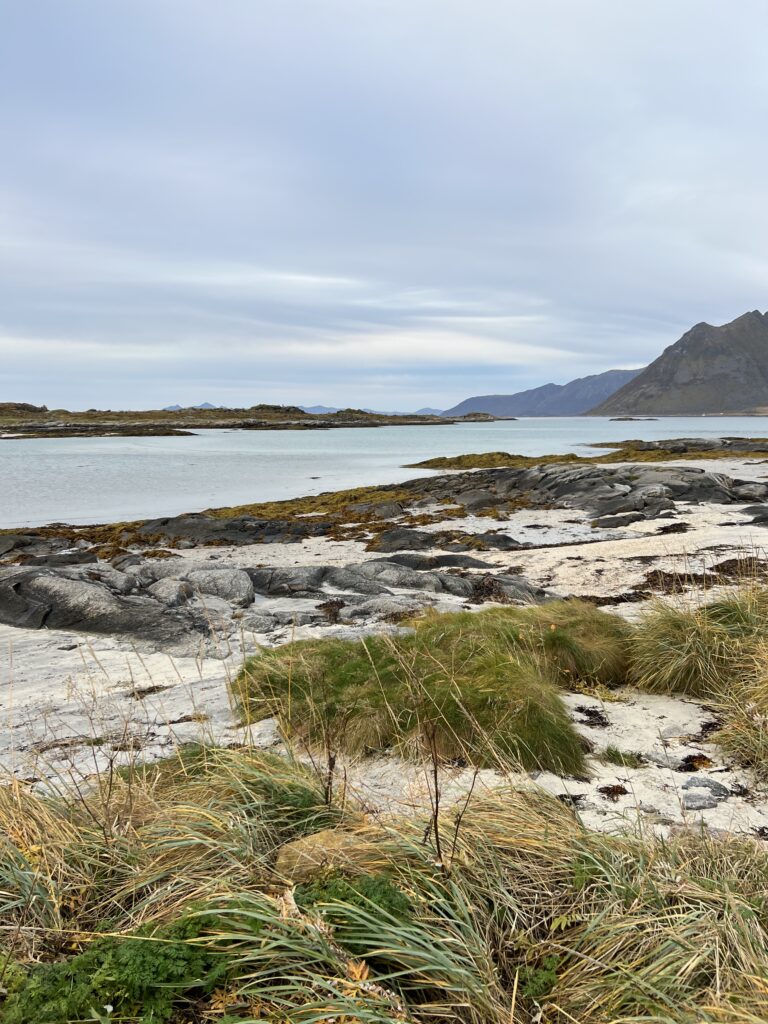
<point x="704" y="651"/>
<point x="622" y="758"/>
<point x="464" y="687"/>
<point x="619" y="452"/>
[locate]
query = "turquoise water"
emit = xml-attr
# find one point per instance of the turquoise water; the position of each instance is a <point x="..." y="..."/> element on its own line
<point x="91" y="480"/>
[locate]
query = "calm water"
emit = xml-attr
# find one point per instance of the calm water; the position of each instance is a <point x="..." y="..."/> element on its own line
<point x="93" y="480"/>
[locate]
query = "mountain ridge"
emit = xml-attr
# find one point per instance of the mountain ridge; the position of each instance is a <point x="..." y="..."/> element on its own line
<point x="710" y="369"/>
<point x="571" y="399"/>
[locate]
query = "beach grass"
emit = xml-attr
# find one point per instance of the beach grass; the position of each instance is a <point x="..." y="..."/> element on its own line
<point x="175" y="897"/>
<point x="238" y="885"/>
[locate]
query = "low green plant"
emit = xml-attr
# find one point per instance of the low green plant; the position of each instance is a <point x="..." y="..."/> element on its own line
<point x="362" y="891"/>
<point x="622" y="758"/>
<point x="143" y="977"/>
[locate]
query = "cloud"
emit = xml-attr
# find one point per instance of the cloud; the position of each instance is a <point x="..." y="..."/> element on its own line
<point x="300" y="201"/>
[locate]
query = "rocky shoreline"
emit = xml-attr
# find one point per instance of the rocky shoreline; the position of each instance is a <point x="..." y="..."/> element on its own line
<point x="19" y="421"/>
<point x="132" y="631"/>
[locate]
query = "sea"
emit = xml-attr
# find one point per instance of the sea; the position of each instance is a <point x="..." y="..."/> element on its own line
<point x="114" y="479"/>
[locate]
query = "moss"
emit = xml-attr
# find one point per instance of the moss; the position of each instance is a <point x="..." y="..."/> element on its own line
<point x="619" y="452"/>
<point x="492" y="460"/>
<point x="337" y="505"/>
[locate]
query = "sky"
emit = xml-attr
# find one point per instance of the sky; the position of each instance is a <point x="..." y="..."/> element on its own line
<point x="388" y="204"/>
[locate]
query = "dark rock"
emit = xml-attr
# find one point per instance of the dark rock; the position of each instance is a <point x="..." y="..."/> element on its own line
<point x="64" y="558"/>
<point x="699" y="801"/>
<point x="12" y="542"/>
<point x="427" y="562"/>
<point x="203" y="529"/>
<point x="618" y="521"/>
<point x="475" y="500"/>
<point x="403" y="538"/>
<point x="33" y="597"/>
<point x="302" y="581"/>
<point x="717" y="789"/>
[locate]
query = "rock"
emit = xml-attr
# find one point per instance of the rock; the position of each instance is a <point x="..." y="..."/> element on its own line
<point x="12" y="542"/>
<point x="258" y="623"/>
<point x="327" y="850"/>
<point x="351" y="578"/>
<point x="403" y="538"/>
<point x="299" y="617"/>
<point x="394" y="606"/>
<point x="203" y="529"/>
<point x="495" y="541"/>
<point x="414" y="560"/>
<point x="34" y="597"/>
<point x="387" y="510"/>
<point x="716" y="789"/>
<point x="233" y="585"/>
<point x="618" y="521"/>
<point x="698" y="802"/>
<point x="119" y="582"/>
<point x="57" y="558"/>
<point x="475" y="500"/>
<point x="171" y="592"/>
<point x="520" y="589"/>
<point x="301" y="581"/>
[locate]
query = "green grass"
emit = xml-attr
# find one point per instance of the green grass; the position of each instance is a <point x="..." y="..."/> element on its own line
<point x="622" y="758"/>
<point x="182" y="891"/>
<point x="702" y="652"/>
<point x="471" y="687"/>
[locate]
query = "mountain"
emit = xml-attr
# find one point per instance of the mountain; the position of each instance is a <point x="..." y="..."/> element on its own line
<point x="203" y="405"/>
<point x="570" y="399"/>
<point x="709" y="370"/>
<point x="318" y="410"/>
<point x="426" y="411"/>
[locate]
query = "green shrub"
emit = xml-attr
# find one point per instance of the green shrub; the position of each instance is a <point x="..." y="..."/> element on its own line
<point x="375" y="892"/>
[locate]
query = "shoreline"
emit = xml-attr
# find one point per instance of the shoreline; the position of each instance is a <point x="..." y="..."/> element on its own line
<point x="148" y="622"/>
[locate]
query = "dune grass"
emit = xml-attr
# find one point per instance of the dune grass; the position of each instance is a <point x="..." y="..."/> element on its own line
<point x="184" y="892"/>
<point x="470" y="687"/>
<point x="181" y="912"/>
<point x="700" y="651"/>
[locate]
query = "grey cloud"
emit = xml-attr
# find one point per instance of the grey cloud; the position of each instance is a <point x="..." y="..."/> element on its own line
<point x="377" y="203"/>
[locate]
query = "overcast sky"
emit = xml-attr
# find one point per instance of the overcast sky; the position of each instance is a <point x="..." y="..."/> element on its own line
<point x="390" y="203"/>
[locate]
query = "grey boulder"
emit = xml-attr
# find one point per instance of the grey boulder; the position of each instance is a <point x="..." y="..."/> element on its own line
<point x="233" y="585"/>
<point x="170" y="592"/>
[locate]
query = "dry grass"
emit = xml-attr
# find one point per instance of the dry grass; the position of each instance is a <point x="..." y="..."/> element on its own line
<point x="525" y="917"/>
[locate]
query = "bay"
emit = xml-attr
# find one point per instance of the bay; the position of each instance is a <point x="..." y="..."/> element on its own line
<point x="110" y="479"/>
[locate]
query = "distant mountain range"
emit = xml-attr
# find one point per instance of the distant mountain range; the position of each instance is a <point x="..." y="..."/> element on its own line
<point x="324" y="410"/>
<point x="570" y="399"/>
<point x="709" y="370"/>
<point x="203" y="405"/>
